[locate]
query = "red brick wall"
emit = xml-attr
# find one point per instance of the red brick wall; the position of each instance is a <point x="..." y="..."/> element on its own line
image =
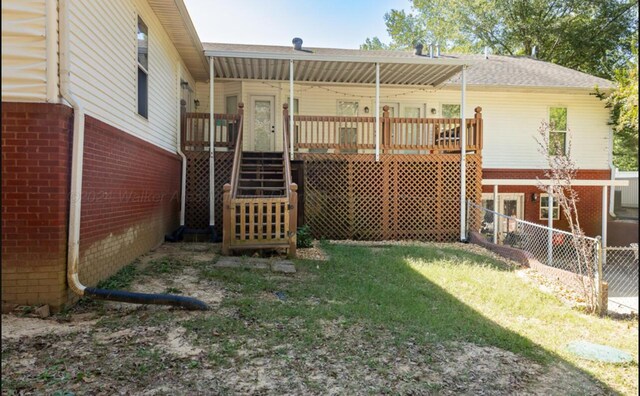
<point x="130" y="200"/>
<point x="589" y="206"/>
<point x="35" y="179"/>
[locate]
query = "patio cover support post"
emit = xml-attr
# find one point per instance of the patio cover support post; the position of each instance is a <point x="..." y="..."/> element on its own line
<point x="496" y="230"/>
<point x="550" y="230"/>
<point x="463" y="157"/>
<point x="291" y="110"/>
<point x="377" y="111"/>
<point x="212" y="197"/>
<point x="604" y="224"/>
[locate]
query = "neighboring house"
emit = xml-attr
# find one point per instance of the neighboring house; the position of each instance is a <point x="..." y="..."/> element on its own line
<point x="128" y="64"/>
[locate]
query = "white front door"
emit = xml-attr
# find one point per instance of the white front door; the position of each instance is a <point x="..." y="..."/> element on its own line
<point x="263" y="123"/>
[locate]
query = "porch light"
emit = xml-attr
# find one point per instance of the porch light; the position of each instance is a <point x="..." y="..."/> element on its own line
<point x="196" y="103"/>
<point x="366" y="109"/>
<point x="534" y="197"/>
<point x="433" y="110"/>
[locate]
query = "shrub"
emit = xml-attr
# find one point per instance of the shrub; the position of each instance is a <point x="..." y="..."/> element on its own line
<point x="304" y="237"/>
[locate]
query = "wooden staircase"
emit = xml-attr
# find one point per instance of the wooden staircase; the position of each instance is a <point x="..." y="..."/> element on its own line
<point x="260" y="203"/>
<point x="261" y="175"/>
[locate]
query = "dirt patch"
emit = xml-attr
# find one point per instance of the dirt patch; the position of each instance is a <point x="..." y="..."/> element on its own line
<point x="15" y="327"/>
<point x="314" y="253"/>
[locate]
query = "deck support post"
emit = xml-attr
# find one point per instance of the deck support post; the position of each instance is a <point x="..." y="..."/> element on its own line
<point x="291" y="126"/>
<point x="604" y="223"/>
<point x="377" y="111"/>
<point x="463" y="157"/>
<point x="550" y="230"/>
<point x="496" y="228"/>
<point x="212" y="196"/>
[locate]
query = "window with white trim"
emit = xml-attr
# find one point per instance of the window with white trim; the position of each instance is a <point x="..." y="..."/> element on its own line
<point x="544" y="208"/>
<point x="450" y="111"/>
<point x="143" y="69"/>
<point x="348" y="134"/>
<point x="557" y="130"/>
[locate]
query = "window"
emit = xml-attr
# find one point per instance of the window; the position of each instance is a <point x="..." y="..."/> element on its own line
<point x="557" y="130"/>
<point x="348" y="135"/>
<point x="296" y="109"/>
<point x="347" y="108"/>
<point x="231" y="103"/>
<point x="450" y="111"/>
<point x="143" y="69"/>
<point x="544" y="208"/>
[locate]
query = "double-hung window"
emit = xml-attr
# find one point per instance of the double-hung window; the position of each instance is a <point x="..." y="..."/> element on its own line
<point x="557" y="130"/>
<point x="143" y="69"/>
<point x="544" y="208"/>
<point x="349" y="131"/>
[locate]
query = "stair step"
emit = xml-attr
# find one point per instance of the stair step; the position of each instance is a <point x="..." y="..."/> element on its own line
<point x="261" y="188"/>
<point x="256" y="166"/>
<point x="280" y="180"/>
<point x="260" y="154"/>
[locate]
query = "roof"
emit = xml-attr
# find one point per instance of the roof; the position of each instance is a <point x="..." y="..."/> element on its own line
<point x="497" y="70"/>
<point x="176" y="21"/>
<point x="239" y="61"/>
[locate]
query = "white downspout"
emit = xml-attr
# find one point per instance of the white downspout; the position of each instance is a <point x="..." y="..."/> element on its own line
<point x="614" y="170"/>
<point x="291" y="110"/>
<point x="73" y="255"/>
<point x="212" y="187"/>
<point x="51" y="38"/>
<point x="183" y="180"/>
<point x="463" y="158"/>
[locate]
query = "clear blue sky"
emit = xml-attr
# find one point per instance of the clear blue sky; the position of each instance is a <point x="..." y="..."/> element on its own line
<point x="320" y="23"/>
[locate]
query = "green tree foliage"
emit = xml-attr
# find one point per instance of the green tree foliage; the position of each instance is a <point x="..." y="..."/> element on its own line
<point x="587" y="35"/>
<point x="623" y="103"/>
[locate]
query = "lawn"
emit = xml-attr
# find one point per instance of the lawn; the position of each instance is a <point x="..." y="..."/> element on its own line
<point x="372" y="319"/>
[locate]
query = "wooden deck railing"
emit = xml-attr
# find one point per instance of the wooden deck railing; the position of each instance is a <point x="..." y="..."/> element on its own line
<point x="195" y="130"/>
<point x="397" y="135"/>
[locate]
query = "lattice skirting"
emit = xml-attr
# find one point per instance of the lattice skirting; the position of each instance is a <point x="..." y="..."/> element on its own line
<point x="350" y="196"/>
<point x="197" y="187"/>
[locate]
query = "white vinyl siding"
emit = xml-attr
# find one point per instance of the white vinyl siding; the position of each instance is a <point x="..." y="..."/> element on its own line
<point x="104" y="68"/>
<point x="511" y="119"/>
<point x="24" y="51"/>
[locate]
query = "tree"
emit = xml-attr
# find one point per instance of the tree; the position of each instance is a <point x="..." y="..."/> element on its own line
<point x="561" y="171"/>
<point x="623" y="103"/>
<point x="587" y="35"/>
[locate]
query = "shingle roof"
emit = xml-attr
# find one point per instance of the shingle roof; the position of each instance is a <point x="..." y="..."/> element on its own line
<point x="497" y="70"/>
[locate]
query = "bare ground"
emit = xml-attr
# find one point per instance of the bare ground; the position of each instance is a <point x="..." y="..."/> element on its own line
<point x="150" y="350"/>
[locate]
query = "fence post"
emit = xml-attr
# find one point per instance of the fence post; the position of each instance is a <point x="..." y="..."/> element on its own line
<point x="226" y="219"/>
<point x="601" y="303"/>
<point x="293" y="220"/>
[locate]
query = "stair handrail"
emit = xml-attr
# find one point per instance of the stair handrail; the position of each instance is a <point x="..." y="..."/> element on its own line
<point x="237" y="153"/>
<point x="285" y="142"/>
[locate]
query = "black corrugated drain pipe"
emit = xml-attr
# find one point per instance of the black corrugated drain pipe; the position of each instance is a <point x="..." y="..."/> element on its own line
<point x="189" y="303"/>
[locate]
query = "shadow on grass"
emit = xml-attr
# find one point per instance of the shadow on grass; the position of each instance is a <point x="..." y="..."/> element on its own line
<point x="380" y="286"/>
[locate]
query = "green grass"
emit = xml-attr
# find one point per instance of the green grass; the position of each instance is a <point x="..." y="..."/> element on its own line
<point x="412" y="294"/>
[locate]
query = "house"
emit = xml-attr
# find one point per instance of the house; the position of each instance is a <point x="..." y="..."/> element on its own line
<point x="118" y="125"/>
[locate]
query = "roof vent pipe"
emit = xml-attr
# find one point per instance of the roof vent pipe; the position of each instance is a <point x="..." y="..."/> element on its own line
<point x="486" y="52"/>
<point x="533" y="51"/>
<point x="430" y="50"/>
<point x="297" y="43"/>
<point x="437" y="50"/>
<point x="418" y="50"/>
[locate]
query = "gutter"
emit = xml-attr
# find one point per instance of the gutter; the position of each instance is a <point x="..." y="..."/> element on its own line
<point x="183" y="181"/>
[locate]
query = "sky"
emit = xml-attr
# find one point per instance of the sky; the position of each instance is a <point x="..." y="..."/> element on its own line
<point x="320" y="23"/>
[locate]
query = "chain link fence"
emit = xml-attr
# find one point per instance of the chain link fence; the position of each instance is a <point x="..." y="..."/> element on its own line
<point x="557" y="254"/>
<point x="620" y="271"/>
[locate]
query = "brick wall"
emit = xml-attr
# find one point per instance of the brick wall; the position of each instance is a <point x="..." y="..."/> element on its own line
<point x="35" y="181"/>
<point x="130" y="200"/>
<point x="589" y="206"/>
